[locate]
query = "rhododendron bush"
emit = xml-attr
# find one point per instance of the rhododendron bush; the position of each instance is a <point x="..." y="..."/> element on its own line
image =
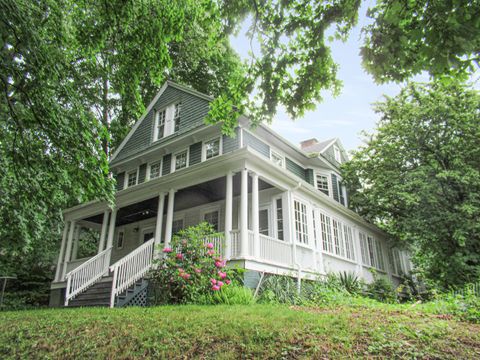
<point x="188" y="268"/>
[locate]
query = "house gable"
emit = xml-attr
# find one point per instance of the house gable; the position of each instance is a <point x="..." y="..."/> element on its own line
<point x="329" y="152"/>
<point x="194" y="109"/>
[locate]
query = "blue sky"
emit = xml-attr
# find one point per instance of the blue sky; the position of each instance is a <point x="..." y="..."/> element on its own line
<point x="349" y="113"/>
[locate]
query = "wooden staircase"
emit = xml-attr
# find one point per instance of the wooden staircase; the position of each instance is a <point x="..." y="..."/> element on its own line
<point x="96" y="295"/>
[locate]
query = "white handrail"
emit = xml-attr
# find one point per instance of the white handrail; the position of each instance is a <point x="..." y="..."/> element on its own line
<point x="87" y="274"/>
<point x="131" y="268"/>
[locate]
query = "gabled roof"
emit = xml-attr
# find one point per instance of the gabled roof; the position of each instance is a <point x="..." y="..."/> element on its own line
<point x="321" y="146"/>
<point x="167" y="84"/>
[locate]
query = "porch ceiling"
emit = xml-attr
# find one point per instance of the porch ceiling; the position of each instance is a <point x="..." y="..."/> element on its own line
<point x="200" y="194"/>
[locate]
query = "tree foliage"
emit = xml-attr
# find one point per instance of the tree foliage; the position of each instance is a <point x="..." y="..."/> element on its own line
<point x="418" y="177"/>
<point x="408" y="37"/>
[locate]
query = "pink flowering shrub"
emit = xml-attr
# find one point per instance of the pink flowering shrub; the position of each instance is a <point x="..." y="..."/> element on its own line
<point x="189" y="268"/>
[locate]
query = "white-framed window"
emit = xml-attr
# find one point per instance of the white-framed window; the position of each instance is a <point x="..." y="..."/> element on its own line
<point x="379" y="253"/>
<point x="277" y="159"/>
<point x="371" y="251"/>
<point x="395" y="261"/>
<point x="177" y="108"/>
<point x="279" y="219"/>
<point x="155" y="170"/>
<point x="131" y="179"/>
<point x="338" y="238"/>
<point x="363" y="248"/>
<point x="301" y="224"/>
<point x="212" y="217"/>
<point x="323" y="183"/>
<point x="326" y="233"/>
<point x="264" y="221"/>
<point x="211" y="148"/>
<point x="180" y="160"/>
<point x="348" y="237"/>
<point x="160" y="119"/>
<point x="167" y="121"/>
<point x="120" y="239"/>
<point x="177" y="225"/>
<point x="337" y="153"/>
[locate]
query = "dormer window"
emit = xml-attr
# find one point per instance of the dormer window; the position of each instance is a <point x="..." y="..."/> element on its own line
<point x="337" y="154"/>
<point x="322" y="184"/>
<point x="160" y="121"/>
<point x="276" y="158"/>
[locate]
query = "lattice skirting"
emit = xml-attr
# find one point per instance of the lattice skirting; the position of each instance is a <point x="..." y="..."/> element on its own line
<point x="139" y="299"/>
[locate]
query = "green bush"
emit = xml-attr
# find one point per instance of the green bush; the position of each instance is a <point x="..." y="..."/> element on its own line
<point x="381" y="289"/>
<point x="189" y="269"/>
<point x="279" y="289"/>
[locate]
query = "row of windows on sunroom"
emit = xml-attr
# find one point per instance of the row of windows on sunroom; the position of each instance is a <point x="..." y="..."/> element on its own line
<point x="180" y="160"/>
<point x="336" y="237"/>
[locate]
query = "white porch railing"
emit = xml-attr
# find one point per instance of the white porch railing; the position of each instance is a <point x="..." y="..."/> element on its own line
<point x="275" y="250"/>
<point x="235" y="244"/>
<point x="87" y="274"/>
<point x="131" y="268"/>
<point x="217" y="242"/>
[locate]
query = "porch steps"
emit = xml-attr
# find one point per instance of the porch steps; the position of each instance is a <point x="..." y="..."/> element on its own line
<point x="97" y="295"/>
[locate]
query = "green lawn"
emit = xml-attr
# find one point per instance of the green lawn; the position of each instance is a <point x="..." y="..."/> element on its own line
<point x="231" y="332"/>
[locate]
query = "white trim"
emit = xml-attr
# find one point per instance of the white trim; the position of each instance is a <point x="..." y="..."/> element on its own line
<point x="269" y="220"/>
<point x="328" y="175"/>
<point x="336" y="151"/>
<point x="279" y="155"/>
<point x="156" y="117"/>
<point x="174" y="160"/>
<point x="220" y="147"/>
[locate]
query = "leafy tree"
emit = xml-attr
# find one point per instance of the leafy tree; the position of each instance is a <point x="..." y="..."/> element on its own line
<point x="420" y="177"/>
<point x="408" y="37"/>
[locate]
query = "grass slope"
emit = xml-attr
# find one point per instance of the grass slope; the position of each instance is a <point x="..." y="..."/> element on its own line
<point x="232" y="332"/>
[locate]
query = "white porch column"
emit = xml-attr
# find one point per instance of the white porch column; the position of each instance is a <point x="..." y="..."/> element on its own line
<point x="159" y="223"/>
<point x="75" y="242"/>
<point x="58" y="270"/>
<point x="68" y="251"/>
<point x="244" y="214"/>
<point x="168" y="225"/>
<point x="228" y="214"/>
<point x="255" y="216"/>
<point x="111" y="228"/>
<point x="111" y="232"/>
<point x="319" y="250"/>
<point x="291" y="219"/>
<point x="103" y="233"/>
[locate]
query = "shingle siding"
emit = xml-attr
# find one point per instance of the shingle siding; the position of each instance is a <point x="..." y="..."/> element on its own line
<point x="256" y="143"/>
<point x="335" y="188"/>
<point x="166" y="166"/>
<point x="231" y="144"/>
<point x="194" y="110"/>
<point x="120" y="178"/>
<point x="195" y="153"/>
<point x="310" y="176"/>
<point x="142" y="173"/>
<point x="294" y="168"/>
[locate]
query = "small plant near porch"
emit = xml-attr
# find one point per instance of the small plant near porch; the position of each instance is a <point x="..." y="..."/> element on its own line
<point x="189" y="268"/>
